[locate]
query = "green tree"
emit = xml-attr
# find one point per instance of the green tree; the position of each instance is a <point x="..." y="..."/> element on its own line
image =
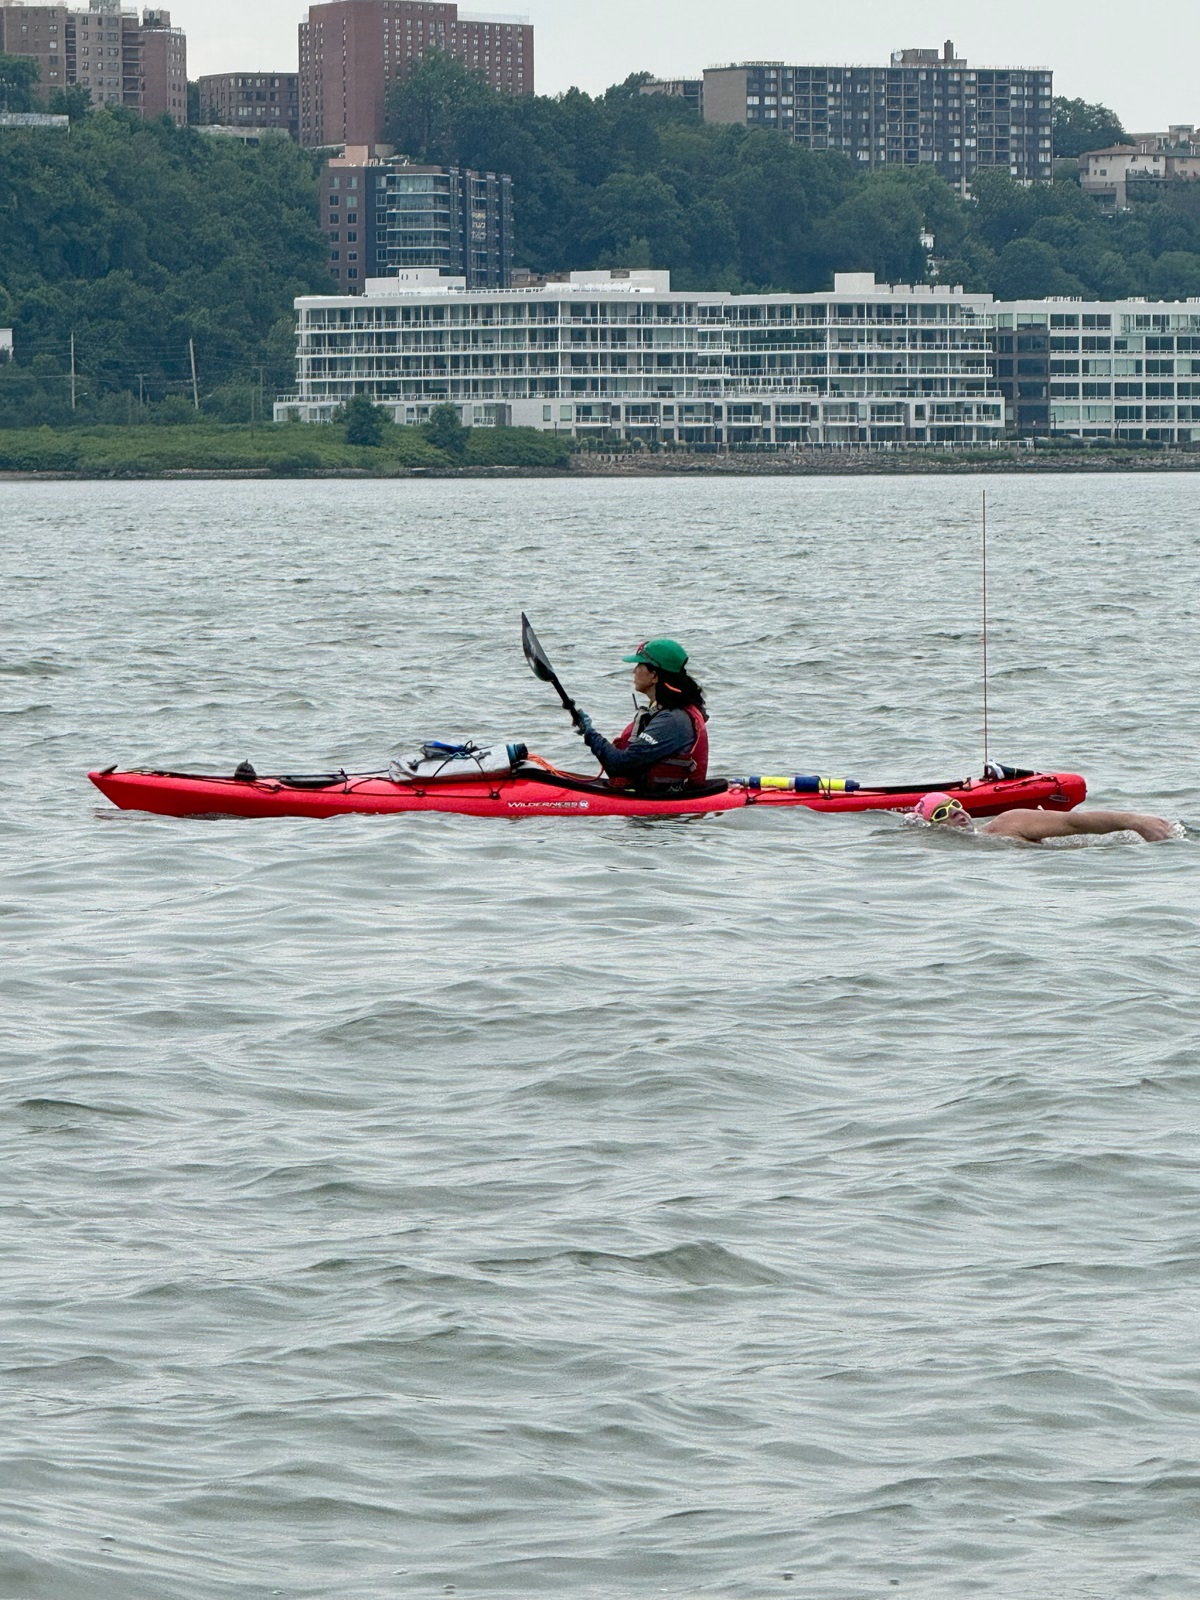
<point x="74" y="102"/>
<point x="626" y="208"/>
<point x="762" y="176"/>
<point x="877" y="229"/>
<point x="232" y="402"/>
<point x="365" y="423"/>
<point x="1080" y="127"/>
<point x="425" y="109"/>
<point x="1176" y="276"/>
<point x="445" y="431"/>
<point x="971" y="266"/>
<point x="1029" y="269"/>
<point x="18" y="79"/>
<point x="1110" y="277"/>
<point x="174" y="411"/>
<point x="1004" y="208"/>
<point x="711" y="244"/>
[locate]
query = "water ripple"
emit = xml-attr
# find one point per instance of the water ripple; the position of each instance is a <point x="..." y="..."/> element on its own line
<point x="767" y="1204"/>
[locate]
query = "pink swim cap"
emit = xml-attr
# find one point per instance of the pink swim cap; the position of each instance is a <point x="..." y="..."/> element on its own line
<point x="929" y="805"/>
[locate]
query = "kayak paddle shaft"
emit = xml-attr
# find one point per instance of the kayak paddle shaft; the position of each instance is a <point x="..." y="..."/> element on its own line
<point x="539" y="664"/>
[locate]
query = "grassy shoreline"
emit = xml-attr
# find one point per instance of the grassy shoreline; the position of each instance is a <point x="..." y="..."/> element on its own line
<point x="292" y="450"/>
<point x="267" y="450"/>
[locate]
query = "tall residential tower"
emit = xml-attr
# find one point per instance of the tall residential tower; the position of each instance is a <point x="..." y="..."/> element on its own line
<point x="353" y="51"/>
<point x="925" y="109"/>
<point x="120" y="59"/>
<point x="387" y="217"/>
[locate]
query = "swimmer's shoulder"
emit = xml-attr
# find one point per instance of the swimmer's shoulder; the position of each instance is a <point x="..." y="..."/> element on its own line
<point x="1030" y="826"/>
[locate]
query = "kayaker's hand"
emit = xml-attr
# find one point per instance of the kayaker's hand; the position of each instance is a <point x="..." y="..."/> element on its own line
<point x="583" y="724"/>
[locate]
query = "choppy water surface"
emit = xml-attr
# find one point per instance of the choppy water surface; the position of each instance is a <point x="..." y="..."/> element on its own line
<point x="750" y="1206"/>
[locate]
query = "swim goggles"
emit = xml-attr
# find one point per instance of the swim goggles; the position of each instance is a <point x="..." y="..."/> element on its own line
<point x="951" y="808"/>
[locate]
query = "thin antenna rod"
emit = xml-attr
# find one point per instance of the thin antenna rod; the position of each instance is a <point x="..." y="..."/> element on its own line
<point x="985" y="636"/>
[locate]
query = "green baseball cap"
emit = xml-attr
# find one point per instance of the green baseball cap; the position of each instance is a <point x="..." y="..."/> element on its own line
<point x="664" y="654"/>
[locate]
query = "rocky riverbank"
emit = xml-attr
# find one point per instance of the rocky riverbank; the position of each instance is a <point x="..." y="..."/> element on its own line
<point x="863" y="463"/>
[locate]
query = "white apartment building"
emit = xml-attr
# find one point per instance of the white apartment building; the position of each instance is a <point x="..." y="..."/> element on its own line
<point x="1123" y="369"/>
<point x="623" y="354"/>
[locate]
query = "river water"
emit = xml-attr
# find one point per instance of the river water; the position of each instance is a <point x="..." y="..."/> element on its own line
<point x="740" y="1207"/>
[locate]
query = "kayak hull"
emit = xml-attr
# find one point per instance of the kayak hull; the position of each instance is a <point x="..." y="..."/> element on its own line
<point x="187" y="795"/>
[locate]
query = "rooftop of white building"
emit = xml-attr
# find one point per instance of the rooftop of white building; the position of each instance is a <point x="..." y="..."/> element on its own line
<point x="426" y="282"/>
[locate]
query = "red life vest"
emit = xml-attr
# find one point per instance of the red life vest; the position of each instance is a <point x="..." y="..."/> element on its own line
<point x="688" y="767"/>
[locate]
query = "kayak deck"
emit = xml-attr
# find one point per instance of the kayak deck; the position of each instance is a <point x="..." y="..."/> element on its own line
<point x="533" y="792"/>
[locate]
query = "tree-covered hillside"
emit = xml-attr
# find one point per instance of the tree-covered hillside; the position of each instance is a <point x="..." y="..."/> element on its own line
<point x="138" y="237"/>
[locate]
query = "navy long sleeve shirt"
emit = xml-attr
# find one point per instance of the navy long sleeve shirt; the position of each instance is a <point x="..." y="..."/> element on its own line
<point x="665" y="733"/>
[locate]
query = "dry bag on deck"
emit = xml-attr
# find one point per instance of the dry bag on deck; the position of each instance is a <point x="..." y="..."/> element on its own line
<point x="441" y="760"/>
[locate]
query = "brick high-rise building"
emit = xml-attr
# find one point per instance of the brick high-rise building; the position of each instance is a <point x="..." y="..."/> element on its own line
<point x="353" y="51"/>
<point x="40" y="32"/>
<point x="925" y="109"/>
<point x="353" y="202"/>
<point x="252" y="100"/>
<point x="387" y="216"/>
<point x="163" y="62"/>
<point x="120" y="59"/>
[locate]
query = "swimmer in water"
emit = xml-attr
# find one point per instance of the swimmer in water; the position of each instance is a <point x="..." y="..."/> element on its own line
<point x="1034" y="827"/>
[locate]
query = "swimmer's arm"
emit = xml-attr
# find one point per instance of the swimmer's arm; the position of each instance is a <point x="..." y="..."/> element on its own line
<point x="1153" y="829"/>
<point x="1034" y="826"/>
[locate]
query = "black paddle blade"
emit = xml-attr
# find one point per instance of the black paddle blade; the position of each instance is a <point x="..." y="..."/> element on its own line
<point x="534" y="653"/>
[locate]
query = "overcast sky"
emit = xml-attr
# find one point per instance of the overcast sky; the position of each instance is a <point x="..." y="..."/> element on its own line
<point x="1140" y="60"/>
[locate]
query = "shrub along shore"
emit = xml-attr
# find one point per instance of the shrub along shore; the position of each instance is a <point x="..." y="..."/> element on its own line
<point x="272" y="449"/>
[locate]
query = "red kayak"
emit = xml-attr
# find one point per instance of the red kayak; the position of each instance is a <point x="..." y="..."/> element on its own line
<point x="537" y="791"/>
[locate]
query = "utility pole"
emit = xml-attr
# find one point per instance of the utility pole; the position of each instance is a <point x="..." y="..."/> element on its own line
<point x="73" y="392"/>
<point x="195" y="385"/>
<point x="141" y="391"/>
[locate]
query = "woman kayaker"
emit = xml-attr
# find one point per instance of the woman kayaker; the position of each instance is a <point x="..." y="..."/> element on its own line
<point x="665" y="748"/>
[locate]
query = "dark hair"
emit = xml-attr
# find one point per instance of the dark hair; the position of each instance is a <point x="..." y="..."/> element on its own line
<point x="680" y="689"/>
